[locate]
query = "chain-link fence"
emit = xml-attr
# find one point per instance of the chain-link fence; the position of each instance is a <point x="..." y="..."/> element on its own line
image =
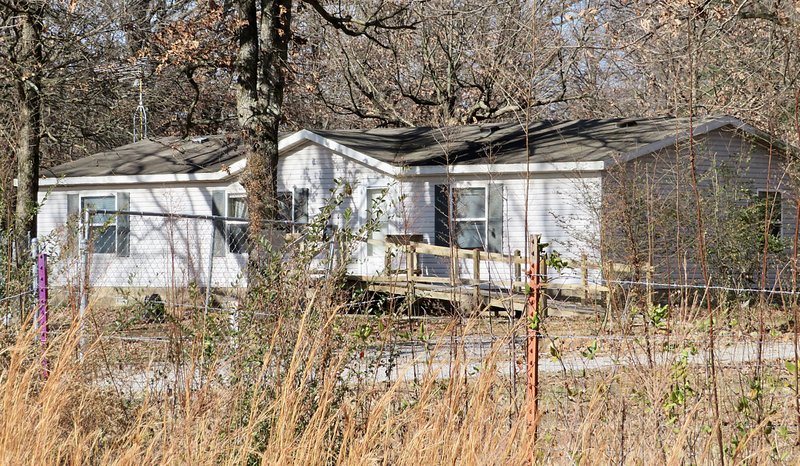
<point x="123" y="253"/>
<point x="146" y="250"/>
<point x="18" y="276"/>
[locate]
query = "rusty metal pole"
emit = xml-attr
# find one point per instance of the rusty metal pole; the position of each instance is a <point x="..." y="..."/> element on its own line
<point x="532" y="393"/>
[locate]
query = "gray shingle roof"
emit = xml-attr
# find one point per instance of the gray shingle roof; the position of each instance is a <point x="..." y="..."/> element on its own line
<point x="549" y="141"/>
<point x="171" y="155"/>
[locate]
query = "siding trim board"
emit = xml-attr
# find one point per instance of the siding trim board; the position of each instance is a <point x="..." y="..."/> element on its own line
<point x="502" y="168"/>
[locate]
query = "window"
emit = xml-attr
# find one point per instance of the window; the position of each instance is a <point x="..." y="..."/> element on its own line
<point x="102" y="228"/>
<point x="293" y="208"/>
<point x="469" y="217"/>
<point x="473" y="213"/>
<point x="108" y="233"/>
<point x="771" y="200"/>
<point x="231" y="235"/>
<point x="236" y="231"/>
<point x="377" y="217"/>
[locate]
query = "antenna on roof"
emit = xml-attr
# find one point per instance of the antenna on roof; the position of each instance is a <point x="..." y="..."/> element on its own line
<point x="140" y="114"/>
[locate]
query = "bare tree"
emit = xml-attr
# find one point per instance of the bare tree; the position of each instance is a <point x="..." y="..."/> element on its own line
<point x="745" y="59"/>
<point x="26" y="60"/>
<point x="464" y="63"/>
<point x="263" y="34"/>
<point x="70" y="75"/>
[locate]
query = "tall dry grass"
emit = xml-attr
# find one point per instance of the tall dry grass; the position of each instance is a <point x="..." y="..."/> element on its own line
<point x="294" y="396"/>
<point x="310" y="413"/>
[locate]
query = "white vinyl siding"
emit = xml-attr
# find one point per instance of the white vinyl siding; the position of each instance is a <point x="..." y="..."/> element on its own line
<point x="748" y="165"/>
<point x="556" y="208"/>
<point x="163" y="251"/>
<point x="561" y="207"/>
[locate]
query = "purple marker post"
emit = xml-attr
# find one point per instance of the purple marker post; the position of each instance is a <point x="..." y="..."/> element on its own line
<point x="42" y="314"/>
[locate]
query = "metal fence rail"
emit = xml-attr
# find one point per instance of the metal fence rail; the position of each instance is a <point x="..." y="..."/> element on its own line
<point x="117" y="255"/>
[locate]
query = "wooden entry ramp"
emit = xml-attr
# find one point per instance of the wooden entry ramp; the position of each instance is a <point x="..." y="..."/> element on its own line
<point x="403" y="276"/>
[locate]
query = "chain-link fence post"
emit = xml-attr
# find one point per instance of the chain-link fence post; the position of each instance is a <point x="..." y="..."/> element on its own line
<point x="233" y="321"/>
<point x="331" y="249"/>
<point x="209" y="273"/>
<point x="84" y="291"/>
<point x="34" y="281"/>
<point x="41" y="308"/>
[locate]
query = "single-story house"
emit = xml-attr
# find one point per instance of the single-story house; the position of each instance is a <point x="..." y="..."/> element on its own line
<point x="480" y="186"/>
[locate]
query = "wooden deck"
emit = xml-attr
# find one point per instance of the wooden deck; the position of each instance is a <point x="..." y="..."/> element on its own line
<point x="487" y="301"/>
<point x="481" y="295"/>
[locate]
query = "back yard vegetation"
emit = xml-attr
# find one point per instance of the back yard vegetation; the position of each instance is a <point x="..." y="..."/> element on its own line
<point x="677" y="345"/>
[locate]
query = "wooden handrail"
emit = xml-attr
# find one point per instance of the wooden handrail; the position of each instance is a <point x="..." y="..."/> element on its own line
<point x="445" y="251"/>
<point x="413" y="282"/>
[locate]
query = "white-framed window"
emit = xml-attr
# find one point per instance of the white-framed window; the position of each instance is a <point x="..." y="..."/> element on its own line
<point x="108" y="233"/>
<point x="101" y="228"/>
<point x="772" y="202"/>
<point x="230" y="236"/>
<point x="469" y="217"/>
<point x="293" y="208"/>
<point x="236" y="230"/>
<point x="376" y="215"/>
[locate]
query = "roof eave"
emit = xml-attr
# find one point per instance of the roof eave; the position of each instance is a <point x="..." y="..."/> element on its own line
<point x="705" y="128"/>
<point x="301" y="137"/>
<point x="135" y="179"/>
<point x="502" y="168"/>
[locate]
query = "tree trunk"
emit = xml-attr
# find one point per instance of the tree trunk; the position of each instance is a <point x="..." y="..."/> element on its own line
<point x="261" y="67"/>
<point x="30" y="122"/>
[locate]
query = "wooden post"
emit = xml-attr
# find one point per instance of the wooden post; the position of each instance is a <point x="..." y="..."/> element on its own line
<point x="532" y="392"/>
<point x="476" y="278"/>
<point x="649" y="284"/>
<point x="387" y="258"/>
<point x="517" y="268"/>
<point x="585" y="279"/>
<point x="410" y="251"/>
<point x="542" y="282"/>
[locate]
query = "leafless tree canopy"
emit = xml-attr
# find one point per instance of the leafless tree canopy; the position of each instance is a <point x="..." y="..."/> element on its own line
<point x="72" y="87"/>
